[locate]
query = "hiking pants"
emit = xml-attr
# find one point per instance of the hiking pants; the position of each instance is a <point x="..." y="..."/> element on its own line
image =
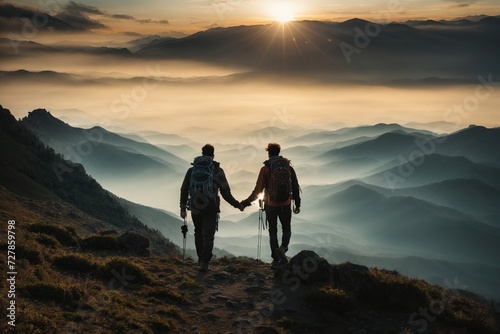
<point x="205" y="223"/>
<point x="284" y="213"/>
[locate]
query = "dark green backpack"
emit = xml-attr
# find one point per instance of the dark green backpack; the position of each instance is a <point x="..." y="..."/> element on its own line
<point x="201" y="183"/>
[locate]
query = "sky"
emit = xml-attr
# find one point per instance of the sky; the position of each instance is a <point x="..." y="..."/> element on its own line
<point x="250" y="100"/>
<point x="177" y="17"/>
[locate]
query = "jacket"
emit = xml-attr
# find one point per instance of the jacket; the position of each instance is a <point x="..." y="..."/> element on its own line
<point x="264" y="182"/>
<point x="220" y="183"/>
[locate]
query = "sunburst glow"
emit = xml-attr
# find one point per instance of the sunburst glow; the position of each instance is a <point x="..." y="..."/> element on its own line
<point x="281" y="12"/>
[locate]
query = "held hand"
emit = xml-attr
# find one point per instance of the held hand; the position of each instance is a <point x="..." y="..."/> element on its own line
<point x="183" y="214"/>
<point x="296" y="210"/>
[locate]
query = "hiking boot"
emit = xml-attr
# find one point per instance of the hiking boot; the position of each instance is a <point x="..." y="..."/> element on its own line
<point x="280" y="253"/>
<point x="203" y="267"/>
<point x="275" y="264"/>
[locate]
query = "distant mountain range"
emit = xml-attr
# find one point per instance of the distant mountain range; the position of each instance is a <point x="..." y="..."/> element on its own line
<point x="100" y="151"/>
<point x="412" y="52"/>
<point x="367" y="194"/>
<point x="119" y="163"/>
<point x="339" y="47"/>
<point x="35" y="173"/>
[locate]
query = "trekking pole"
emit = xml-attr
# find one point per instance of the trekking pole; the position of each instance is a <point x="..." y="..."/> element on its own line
<point x="184" y="230"/>
<point x="261" y="225"/>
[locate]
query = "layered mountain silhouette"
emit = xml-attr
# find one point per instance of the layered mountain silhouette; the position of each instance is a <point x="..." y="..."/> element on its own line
<point x="311" y="45"/>
<point x="352" y="51"/>
<point x="35" y="171"/>
<point x="375" y="200"/>
<point x="116" y="161"/>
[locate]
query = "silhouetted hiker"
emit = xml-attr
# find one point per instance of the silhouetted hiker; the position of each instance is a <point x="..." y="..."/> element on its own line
<point x="280" y="183"/>
<point x="199" y="193"/>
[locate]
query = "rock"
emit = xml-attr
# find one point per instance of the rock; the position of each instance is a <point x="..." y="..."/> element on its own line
<point x="351" y="276"/>
<point x="134" y="242"/>
<point x="307" y="266"/>
<point x="222" y="275"/>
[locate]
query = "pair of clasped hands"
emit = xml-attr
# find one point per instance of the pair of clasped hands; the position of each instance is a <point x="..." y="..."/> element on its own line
<point x="245" y="203"/>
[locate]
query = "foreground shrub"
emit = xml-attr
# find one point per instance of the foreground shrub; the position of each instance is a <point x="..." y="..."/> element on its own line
<point x="169" y="295"/>
<point x="51" y="292"/>
<point x="47" y="240"/>
<point x="160" y="325"/>
<point x="392" y="291"/>
<point x="124" y="271"/>
<point x="101" y="242"/>
<point x="76" y="263"/>
<point x="328" y="298"/>
<point x="66" y="236"/>
<point x="29" y="252"/>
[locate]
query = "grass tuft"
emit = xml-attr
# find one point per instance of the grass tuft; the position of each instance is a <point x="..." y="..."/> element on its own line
<point x="392" y="291"/>
<point x="166" y="294"/>
<point x="75" y="263"/>
<point x="159" y="325"/>
<point x="47" y="240"/>
<point x="286" y="322"/>
<point x="65" y="235"/>
<point x="52" y="292"/>
<point x="125" y="271"/>
<point x="331" y="299"/>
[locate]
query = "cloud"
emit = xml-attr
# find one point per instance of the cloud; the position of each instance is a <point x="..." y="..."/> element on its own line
<point x="15" y="18"/>
<point x="122" y="17"/>
<point x="80" y="20"/>
<point x="78" y="14"/>
<point x="79" y="7"/>
<point x="461" y="3"/>
<point x="151" y="21"/>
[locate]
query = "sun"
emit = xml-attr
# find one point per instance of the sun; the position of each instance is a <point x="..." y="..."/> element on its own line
<point x="281" y="12"/>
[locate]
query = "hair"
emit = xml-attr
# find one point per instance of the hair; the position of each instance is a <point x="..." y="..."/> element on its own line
<point x="273" y="149"/>
<point x="208" y="150"/>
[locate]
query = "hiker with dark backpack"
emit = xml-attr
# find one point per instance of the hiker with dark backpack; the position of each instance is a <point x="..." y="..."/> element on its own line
<point x="279" y="181"/>
<point x="200" y="194"/>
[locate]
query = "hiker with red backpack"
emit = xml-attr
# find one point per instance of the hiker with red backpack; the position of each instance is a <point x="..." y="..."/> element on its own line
<point x="279" y="180"/>
<point x="199" y="193"/>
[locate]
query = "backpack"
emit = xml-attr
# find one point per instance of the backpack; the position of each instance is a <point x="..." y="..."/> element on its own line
<point x="281" y="179"/>
<point x="202" y="180"/>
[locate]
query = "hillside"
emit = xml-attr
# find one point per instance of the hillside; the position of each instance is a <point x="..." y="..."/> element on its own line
<point x="118" y="163"/>
<point x="30" y="171"/>
<point x="100" y="149"/>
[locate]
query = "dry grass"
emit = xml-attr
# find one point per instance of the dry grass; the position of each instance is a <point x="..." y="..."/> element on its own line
<point x="330" y="299"/>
